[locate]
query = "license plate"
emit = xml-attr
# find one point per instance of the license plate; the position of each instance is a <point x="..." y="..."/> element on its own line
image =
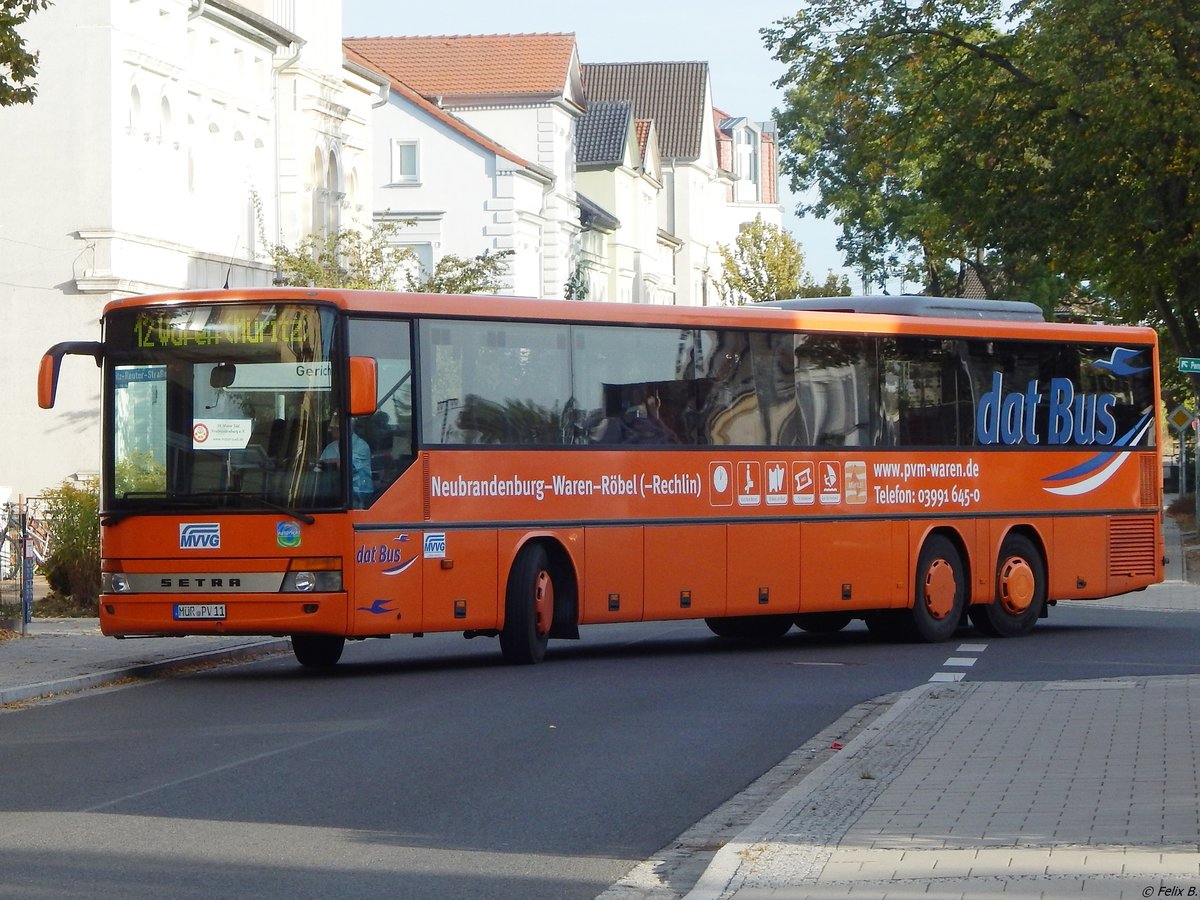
<point x="200" y="611"/>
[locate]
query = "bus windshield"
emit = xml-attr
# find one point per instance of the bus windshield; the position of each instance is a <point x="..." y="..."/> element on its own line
<point x="226" y="406"/>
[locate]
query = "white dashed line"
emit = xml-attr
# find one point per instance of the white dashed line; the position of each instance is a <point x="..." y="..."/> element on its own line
<point x="959" y="662"/>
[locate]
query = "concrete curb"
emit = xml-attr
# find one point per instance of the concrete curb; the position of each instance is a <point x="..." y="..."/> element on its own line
<point x="141" y="670"/>
<point x="733" y="862"/>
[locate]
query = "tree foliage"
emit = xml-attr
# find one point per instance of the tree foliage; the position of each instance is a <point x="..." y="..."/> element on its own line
<point x="72" y="564"/>
<point x="370" y="260"/>
<point x="1046" y="146"/>
<point x="18" y="64"/>
<point x="766" y="263"/>
<point x="453" y="274"/>
<point x="347" y="258"/>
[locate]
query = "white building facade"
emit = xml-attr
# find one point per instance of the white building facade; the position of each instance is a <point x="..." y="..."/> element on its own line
<point x="167" y="139"/>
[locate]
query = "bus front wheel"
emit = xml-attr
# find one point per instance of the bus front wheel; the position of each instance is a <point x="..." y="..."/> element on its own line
<point x="318" y="651"/>
<point x="941" y="591"/>
<point x="1020" y="591"/>
<point x="528" y="608"/>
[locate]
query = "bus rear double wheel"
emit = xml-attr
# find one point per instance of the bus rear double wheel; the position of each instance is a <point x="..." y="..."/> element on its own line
<point x="1020" y="591"/>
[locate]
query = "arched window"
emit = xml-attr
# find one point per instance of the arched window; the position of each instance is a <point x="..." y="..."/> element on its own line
<point x="327" y="194"/>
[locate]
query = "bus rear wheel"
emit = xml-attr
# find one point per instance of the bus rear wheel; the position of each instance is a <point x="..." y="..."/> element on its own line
<point x="1020" y="591"/>
<point x="754" y="628"/>
<point x="318" y="651"/>
<point x="528" y="608"/>
<point x="941" y="592"/>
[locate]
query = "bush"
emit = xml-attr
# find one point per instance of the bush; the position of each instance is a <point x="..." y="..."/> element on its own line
<point x="72" y="564"/>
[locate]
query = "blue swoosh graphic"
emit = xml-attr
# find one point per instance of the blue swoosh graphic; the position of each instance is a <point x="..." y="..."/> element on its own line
<point x="376" y="608"/>
<point x="1120" y="362"/>
<point x="396" y="570"/>
<point x="1095" y="462"/>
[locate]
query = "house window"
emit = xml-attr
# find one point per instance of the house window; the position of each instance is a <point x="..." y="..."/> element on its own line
<point x="405" y="162"/>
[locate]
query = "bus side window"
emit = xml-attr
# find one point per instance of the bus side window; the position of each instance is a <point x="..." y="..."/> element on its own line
<point x="387" y="431"/>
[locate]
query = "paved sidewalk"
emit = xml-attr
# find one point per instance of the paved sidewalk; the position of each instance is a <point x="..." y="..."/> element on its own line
<point x="1066" y="789"/>
<point x="59" y="656"/>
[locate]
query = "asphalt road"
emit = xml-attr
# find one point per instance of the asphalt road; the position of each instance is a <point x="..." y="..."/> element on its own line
<point x="428" y="768"/>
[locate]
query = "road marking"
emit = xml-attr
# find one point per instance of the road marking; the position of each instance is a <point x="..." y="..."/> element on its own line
<point x="959" y="662"/>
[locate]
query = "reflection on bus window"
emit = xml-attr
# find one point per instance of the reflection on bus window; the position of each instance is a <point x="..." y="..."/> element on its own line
<point x="387" y="432"/>
<point x="495" y="383"/>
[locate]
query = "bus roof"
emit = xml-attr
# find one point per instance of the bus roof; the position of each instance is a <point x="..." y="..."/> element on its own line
<point x="919" y="305"/>
<point x="786" y="314"/>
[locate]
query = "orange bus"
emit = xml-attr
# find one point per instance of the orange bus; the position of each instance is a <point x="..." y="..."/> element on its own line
<point x="520" y="468"/>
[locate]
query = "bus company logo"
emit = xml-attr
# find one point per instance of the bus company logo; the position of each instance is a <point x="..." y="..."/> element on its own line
<point x="200" y="536"/>
<point x="435" y="545"/>
<point x="287" y="534"/>
<point x="1011" y="417"/>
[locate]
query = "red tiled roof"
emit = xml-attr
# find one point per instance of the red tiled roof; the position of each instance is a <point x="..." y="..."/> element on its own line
<point x="473" y="64"/>
<point x="440" y="114"/>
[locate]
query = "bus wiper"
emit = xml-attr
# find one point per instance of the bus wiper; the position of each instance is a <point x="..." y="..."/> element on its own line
<point x="116" y="517"/>
<point x="270" y="504"/>
<point x="195" y="500"/>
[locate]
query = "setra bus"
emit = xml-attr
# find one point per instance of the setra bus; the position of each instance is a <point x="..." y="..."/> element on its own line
<point x="332" y="465"/>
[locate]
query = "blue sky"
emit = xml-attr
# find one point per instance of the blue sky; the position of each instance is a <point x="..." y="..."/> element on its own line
<point x="721" y="33"/>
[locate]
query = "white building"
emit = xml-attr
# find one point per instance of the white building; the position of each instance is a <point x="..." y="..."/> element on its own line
<point x="163" y="132"/>
<point x="519" y="97"/>
<point x="707" y="194"/>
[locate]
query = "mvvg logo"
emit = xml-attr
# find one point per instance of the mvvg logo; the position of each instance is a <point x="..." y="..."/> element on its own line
<point x="200" y="536"/>
<point x="434" y="545"/>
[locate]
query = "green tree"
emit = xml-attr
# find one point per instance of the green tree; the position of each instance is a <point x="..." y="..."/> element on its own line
<point x="766" y="263"/>
<point x="347" y="258"/>
<point x="453" y="274"/>
<point x="18" y="64"/>
<point x="370" y="260"/>
<point x="1049" y="147"/>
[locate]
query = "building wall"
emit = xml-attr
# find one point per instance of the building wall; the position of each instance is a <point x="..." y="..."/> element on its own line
<point x="543" y="133"/>
<point x="136" y="169"/>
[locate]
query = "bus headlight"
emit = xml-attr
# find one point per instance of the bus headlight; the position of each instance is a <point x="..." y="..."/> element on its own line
<point x="314" y="575"/>
<point x="114" y="583"/>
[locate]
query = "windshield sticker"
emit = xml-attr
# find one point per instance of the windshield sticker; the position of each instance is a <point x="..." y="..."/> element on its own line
<point x="221" y="434"/>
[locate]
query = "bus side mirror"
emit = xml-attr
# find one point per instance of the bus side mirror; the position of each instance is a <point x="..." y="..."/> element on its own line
<point x="52" y="360"/>
<point x="363" y="400"/>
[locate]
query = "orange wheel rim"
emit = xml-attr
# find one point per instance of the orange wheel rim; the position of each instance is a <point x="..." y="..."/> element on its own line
<point x="543" y="601"/>
<point x="941" y="587"/>
<point x="1017" y="585"/>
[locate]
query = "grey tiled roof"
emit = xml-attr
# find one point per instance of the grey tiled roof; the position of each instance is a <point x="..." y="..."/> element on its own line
<point x="671" y="93"/>
<point x="602" y="130"/>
